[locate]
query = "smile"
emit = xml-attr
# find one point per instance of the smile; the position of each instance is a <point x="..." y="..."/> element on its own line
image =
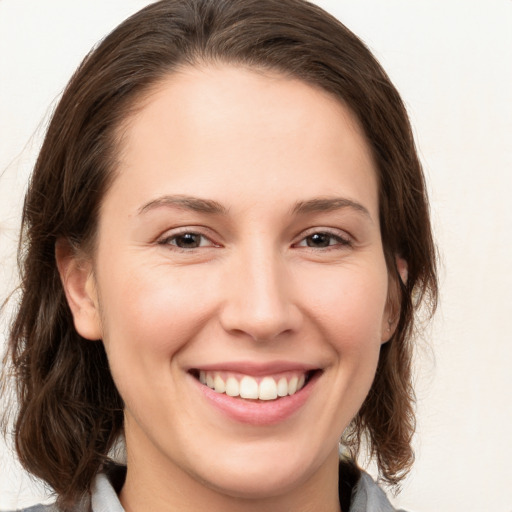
<point x="255" y="394"/>
<point x="257" y="388"/>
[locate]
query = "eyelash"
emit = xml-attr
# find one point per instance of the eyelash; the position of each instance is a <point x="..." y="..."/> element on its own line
<point x="340" y="241"/>
<point x="172" y="240"/>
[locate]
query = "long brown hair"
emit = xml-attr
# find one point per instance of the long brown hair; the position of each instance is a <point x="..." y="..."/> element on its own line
<point x="70" y="412"/>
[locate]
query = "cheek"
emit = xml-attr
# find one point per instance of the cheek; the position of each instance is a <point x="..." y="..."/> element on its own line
<point x="147" y="320"/>
<point x="151" y="316"/>
<point x="349" y="304"/>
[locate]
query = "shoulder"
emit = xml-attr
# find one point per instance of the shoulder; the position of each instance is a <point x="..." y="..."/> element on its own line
<point x="359" y="492"/>
<point x="82" y="507"/>
<point x="103" y="495"/>
<point x="38" y="508"/>
<point x="50" y="508"/>
<point x="369" y="497"/>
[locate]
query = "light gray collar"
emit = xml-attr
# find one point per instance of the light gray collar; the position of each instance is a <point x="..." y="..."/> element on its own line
<point x="103" y="496"/>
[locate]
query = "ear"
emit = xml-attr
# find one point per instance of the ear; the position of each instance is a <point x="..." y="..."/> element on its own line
<point x="80" y="288"/>
<point x="392" y="310"/>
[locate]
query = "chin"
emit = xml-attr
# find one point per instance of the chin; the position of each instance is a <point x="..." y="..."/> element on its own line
<point x="264" y="475"/>
<point x="254" y="483"/>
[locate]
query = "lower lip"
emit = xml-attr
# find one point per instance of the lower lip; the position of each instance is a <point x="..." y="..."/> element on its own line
<point x="258" y="412"/>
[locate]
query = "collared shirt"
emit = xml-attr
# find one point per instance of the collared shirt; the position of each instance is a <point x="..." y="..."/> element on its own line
<point x="365" y="495"/>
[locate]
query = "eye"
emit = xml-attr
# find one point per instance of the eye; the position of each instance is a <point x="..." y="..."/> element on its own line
<point x="187" y="240"/>
<point x="323" y="239"/>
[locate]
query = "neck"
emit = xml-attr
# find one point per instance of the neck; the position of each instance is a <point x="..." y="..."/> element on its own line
<point x="166" y="487"/>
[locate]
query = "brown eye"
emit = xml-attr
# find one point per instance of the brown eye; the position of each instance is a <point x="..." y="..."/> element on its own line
<point x="188" y="240"/>
<point x="323" y="240"/>
<point x="319" y="240"/>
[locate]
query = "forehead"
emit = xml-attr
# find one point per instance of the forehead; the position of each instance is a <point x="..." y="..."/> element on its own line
<point x="204" y="128"/>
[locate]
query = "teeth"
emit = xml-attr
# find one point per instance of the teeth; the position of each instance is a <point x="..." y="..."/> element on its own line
<point x="292" y="385"/>
<point x="232" y="387"/>
<point x="218" y="384"/>
<point x="268" y="389"/>
<point x="248" y="387"/>
<point x="282" y="387"/>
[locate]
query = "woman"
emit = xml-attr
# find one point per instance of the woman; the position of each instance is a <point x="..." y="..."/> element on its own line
<point x="225" y="240"/>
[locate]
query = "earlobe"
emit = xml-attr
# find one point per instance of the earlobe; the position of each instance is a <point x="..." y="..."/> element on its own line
<point x="403" y="269"/>
<point x="80" y="288"/>
<point x="393" y="306"/>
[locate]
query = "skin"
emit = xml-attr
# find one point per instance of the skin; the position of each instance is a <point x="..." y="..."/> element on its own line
<point x="268" y="151"/>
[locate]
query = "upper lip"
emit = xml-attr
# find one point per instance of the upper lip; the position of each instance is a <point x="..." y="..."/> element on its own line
<point x="256" y="369"/>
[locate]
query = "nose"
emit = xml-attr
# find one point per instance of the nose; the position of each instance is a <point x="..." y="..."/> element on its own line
<point x="259" y="299"/>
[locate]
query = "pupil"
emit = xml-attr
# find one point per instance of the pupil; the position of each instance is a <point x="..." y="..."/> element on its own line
<point x="188" y="240"/>
<point x="319" y="240"/>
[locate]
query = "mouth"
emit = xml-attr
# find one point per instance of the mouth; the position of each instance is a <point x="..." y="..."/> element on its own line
<point x="255" y="388"/>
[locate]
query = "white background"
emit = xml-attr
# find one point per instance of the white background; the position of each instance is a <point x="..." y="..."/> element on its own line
<point x="452" y="62"/>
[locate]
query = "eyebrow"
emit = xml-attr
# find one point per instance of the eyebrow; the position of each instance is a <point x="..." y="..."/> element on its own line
<point x="213" y="207"/>
<point x="185" y="203"/>
<point x="327" y="204"/>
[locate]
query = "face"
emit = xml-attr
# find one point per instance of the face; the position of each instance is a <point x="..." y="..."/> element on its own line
<point x="239" y="282"/>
